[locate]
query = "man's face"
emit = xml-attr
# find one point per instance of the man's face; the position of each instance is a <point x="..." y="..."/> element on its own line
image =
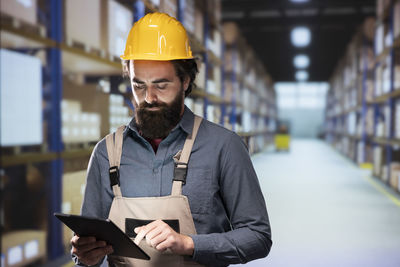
<point x="158" y="96"/>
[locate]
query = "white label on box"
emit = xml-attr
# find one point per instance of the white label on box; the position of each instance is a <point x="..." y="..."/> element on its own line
<point x="75" y="118"/>
<point x="85" y="131"/>
<point x="75" y="131"/>
<point x="14" y="255"/>
<point x="31" y="249"/>
<point x="83" y="186"/>
<point x="66" y="207"/>
<point x="156" y="2"/>
<point x="119" y="46"/>
<point x="65" y="131"/>
<point x="18" y="104"/>
<point x="25" y="3"/>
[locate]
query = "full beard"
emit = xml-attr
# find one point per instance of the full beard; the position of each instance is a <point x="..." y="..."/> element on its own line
<point x="154" y="124"/>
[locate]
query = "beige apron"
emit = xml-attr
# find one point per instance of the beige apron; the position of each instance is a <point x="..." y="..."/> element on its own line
<point x="174" y="209"/>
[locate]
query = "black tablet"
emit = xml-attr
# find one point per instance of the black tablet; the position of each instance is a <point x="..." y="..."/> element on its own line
<point x="104" y="230"/>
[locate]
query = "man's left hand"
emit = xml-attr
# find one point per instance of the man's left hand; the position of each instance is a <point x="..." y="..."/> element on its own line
<point x="161" y="236"/>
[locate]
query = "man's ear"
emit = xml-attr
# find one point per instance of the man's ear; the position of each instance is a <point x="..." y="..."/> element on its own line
<point x="186" y="83"/>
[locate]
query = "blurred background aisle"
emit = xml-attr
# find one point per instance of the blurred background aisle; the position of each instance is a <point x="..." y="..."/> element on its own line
<point x="325" y="211"/>
<point x="312" y="87"/>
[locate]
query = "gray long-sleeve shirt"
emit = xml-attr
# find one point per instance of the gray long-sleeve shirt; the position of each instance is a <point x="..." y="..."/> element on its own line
<point x="225" y="198"/>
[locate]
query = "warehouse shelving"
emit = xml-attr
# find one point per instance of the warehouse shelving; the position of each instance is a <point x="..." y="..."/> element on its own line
<point x="346" y="100"/>
<point x="62" y="57"/>
<point x="378" y="134"/>
<point x="241" y="65"/>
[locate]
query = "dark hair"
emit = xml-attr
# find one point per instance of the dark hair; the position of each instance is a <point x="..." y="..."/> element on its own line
<point x="183" y="68"/>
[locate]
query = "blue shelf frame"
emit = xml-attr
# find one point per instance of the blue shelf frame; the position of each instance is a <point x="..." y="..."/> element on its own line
<point x="53" y="118"/>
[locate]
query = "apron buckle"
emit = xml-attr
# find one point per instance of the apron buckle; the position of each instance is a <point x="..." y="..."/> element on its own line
<point x="114" y="176"/>
<point x="180" y="172"/>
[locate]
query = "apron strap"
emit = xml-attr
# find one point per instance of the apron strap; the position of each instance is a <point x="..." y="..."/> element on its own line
<point x="114" y="151"/>
<point x="182" y="158"/>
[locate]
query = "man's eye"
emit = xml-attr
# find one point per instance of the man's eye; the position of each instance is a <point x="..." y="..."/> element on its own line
<point x="161" y="86"/>
<point x="139" y="86"/>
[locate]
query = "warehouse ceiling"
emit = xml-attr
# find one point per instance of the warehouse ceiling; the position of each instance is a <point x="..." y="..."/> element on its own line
<point x="266" y="25"/>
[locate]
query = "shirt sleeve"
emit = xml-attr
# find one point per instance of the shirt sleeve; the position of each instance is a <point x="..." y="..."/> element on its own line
<point x="250" y="237"/>
<point x="92" y="200"/>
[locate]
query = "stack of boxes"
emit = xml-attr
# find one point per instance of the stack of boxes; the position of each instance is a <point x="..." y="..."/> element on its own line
<point x="83" y="28"/>
<point x="73" y="189"/>
<point x="104" y="30"/>
<point x="119" y="23"/>
<point x="189" y="21"/>
<point x="25" y="11"/>
<point x="23" y="248"/>
<point x="119" y="114"/>
<point x="78" y="126"/>
<point x="397" y="119"/>
<point x="377" y="161"/>
<point x="170" y="7"/>
<point x="395" y="175"/>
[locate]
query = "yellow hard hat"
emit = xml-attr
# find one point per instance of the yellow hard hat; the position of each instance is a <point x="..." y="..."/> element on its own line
<point x="157" y="36"/>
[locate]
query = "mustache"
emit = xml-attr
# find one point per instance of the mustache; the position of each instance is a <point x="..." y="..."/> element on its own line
<point x="152" y="105"/>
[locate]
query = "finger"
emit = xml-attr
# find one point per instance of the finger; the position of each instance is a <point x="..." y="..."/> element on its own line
<point x="167" y="243"/>
<point x="139" y="237"/>
<point x="156" y="240"/>
<point x="144" y="230"/>
<point x="153" y="234"/>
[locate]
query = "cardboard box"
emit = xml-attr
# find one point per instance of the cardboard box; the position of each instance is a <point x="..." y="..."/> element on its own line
<point x="394" y="175"/>
<point x="119" y="24"/>
<point x="92" y="100"/>
<point x="397" y="77"/>
<point x="199" y="107"/>
<point x="199" y="25"/>
<point x="189" y="16"/>
<point x="83" y="23"/>
<point x="119" y="114"/>
<point x="396" y="20"/>
<point x="379" y="39"/>
<point x="170" y="7"/>
<point x="189" y="102"/>
<point x="397" y="120"/>
<point x="214" y="43"/>
<point x="25" y="10"/>
<point x="385" y="173"/>
<point x="24" y="247"/>
<point x="73" y="189"/>
<point x="155" y="2"/>
<point x="201" y="76"/>
<point x="381" y="6"/>
<point x="377" y="161"/>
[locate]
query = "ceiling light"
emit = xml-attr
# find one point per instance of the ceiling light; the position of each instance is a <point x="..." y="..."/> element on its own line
<point x="301" y="61"/>
<point x="301" y="75"/>
<point x="301" y="36"/>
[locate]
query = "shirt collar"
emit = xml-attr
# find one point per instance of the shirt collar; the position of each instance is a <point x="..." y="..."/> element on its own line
<point x="186" y="122"/>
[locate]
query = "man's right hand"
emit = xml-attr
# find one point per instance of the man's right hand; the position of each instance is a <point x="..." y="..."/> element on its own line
<point x="88" y="250"/>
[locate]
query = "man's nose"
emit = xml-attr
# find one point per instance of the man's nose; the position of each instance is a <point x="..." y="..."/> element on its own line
<point x="151" y="96"/>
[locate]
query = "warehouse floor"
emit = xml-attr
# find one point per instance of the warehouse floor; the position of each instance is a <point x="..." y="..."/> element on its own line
<point x="325" y="211"/>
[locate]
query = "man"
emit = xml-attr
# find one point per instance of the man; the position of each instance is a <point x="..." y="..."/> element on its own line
<point x="208" y="210"/>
